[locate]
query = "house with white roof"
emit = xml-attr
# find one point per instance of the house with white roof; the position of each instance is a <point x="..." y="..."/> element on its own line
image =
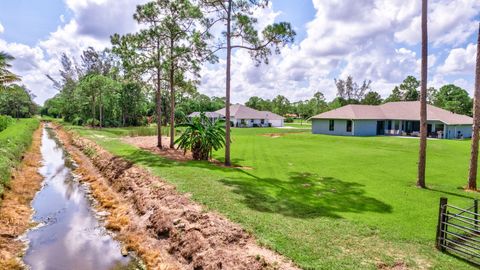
<point x="393" y="118"/>
<point x="243" y="116"/>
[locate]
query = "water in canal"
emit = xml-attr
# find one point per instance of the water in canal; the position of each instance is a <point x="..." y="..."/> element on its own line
<point x="70" y="236"/>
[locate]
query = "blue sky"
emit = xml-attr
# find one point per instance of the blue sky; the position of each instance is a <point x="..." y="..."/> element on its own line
<point x="371" y="39"/>
<point x="28" y="21"/>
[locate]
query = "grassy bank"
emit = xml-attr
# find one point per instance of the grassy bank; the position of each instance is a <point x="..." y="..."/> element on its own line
<point x="14" y="140"/>
<point x="326" y="202"/>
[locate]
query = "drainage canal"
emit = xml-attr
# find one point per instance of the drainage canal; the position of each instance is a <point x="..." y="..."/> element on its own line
<point x="70" y="235"/>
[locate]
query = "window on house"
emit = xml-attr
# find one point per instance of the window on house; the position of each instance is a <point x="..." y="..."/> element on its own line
<point x="389" y="125"/>
<point x="331" y="125"/>
<point x="262" y="121"/>
<point x="349" y="125"/>
<point x="251" y="120"/>
<point x="397" y="125"/>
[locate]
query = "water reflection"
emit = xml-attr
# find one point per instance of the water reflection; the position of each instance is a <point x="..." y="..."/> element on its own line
<point x="72" y="237"/>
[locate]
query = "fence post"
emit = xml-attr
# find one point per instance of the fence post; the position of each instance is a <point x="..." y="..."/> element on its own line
<point x="442" y="218"/>
<point x="475" y="207"/>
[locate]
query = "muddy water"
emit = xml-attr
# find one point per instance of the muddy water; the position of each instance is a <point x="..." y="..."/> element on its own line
<point x="70" y="236"/>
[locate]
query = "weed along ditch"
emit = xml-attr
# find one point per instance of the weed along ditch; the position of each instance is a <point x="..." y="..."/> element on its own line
<point x="70" y="234"/>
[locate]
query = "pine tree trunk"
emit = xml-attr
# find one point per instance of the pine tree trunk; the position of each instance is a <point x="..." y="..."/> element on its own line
<point x="227" y="94"/>
<point x="93" y="111"/>
<point x="159" y="99"/>
<point x="172" y="98"/>
<point x="472" y="176"/>
<point x="101" y="111"/>
<point x="423" y="101"/>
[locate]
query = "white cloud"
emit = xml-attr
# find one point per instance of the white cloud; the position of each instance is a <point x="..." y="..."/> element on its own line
<point x="370" y="39"/>
<point x="449" y="22"/>
<point x="2" y="29"/>
<point x="460" y="60"/>
<point x="93" y="22"/>
<point x="359" y="38"/>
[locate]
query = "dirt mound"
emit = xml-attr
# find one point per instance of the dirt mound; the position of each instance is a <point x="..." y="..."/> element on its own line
<point x="194" y="238"/>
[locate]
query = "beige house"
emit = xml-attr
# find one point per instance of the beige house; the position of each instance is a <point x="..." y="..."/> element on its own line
<point x="393" y="118"/>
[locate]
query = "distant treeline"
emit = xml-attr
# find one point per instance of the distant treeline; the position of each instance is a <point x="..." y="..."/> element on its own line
<point x="449" y="97"/>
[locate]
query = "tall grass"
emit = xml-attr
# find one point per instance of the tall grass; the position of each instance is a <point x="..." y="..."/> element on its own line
<point x="5" y="121"/>
<point x="14" y="141"/>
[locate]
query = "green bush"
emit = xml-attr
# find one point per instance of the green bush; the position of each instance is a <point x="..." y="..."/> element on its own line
<point x="5" y="121"/>
<point x="77" y="121"/>
<point x="289" y="120"/>
<point x="92" y="122"/>
<point x="202" y="136"/>
<point x="14" y="141"/>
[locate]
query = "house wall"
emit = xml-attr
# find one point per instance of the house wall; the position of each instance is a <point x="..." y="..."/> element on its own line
<point x="451" y="131"/>
<point x="321" y="126"/>
<point x="276" y="123"/>
<point x="365" y="127"/>
<point x="249" y="123"/>
<point x="369" y="128"/>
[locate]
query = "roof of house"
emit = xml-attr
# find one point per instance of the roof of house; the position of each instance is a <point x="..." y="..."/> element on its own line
<point x="207" y="114"/>
<point x="405" y="110"/>
<point x="272" y="116"/>
<point x="239" y="111"/>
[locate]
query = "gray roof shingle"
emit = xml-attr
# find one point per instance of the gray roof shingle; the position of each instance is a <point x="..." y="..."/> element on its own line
<point x="239" y="111"/>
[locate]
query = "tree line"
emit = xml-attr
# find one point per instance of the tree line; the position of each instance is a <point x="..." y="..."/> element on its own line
<point x="449" y="97"/>
<point x="95" y="92"/>
<point x="153" y="74"/>
<point x="15" y="99"/>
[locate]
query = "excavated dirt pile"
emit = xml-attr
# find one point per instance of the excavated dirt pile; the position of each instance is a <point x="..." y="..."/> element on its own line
<point x="194" y="238"/>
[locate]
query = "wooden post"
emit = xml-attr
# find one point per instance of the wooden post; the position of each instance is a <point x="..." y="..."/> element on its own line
<point x="442" y="218"/>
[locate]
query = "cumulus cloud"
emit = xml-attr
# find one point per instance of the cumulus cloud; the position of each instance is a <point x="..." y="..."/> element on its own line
<point x="92" y="23"/>
<point x="460" y="60"/>
<point x="101" y="18"/>
<point x="370" y="39"/>
<point x="2" y="29"/>
<point x="449" y="22"/>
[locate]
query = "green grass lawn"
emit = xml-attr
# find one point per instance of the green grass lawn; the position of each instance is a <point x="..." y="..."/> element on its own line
<point x="326" y="202"/>
<point x="14" y="140"/>
<point x="300" y="123"/>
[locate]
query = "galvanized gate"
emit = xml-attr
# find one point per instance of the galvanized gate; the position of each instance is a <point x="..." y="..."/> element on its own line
<point x="458" y="231"/>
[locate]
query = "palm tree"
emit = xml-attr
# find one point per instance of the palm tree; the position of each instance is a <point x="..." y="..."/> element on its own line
<point x="201" y="137"/>
<point x="472" y="176"/>
<point x="423" y="101"/>
<point x="5" y="75"/>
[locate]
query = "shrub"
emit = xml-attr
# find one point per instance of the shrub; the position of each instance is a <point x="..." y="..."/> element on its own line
<point x="289" y="120"/>
<point x="77" y="121"/>
<point x="202" y="136"/>
<point x="92" y="122"/>
<point x="5" y="121"/>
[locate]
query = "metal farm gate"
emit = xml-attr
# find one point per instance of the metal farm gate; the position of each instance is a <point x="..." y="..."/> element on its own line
<point x="458" y="231"/>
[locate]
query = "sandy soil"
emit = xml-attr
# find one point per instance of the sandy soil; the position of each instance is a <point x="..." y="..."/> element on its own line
<point x="149" y="143"/>
<point x="190" y="237"/>
<point x="15" y="210"/>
